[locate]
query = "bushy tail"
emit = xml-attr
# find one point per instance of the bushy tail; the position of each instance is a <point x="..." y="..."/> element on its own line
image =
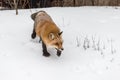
<point x="34" y="14"/>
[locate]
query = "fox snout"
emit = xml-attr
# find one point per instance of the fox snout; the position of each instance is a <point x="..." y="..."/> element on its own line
<point x="61" y="49"/>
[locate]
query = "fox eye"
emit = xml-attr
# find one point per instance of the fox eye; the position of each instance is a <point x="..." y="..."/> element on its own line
<point x="56" y="44"/>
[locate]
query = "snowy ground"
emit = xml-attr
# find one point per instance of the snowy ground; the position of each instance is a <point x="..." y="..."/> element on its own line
<point x="91" y="45"/>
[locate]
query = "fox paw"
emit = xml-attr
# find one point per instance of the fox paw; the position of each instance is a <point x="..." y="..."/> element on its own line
<point x="46" y="54"/>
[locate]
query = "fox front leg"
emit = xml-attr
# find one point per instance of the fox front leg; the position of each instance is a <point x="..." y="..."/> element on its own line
<point x="45" y="52"/>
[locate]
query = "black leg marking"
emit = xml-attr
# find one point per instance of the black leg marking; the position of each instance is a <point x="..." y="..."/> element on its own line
<point x="45" y="53"/>
<point x="40" y="40"/>
<point x="33" y="35"/>
<point x="58" y="53"/>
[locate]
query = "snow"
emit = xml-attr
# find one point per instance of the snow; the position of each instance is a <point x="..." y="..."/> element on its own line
<point x="91" y="45"/>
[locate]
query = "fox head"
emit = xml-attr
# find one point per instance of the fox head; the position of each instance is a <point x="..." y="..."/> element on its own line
<point x="56" y="41"/>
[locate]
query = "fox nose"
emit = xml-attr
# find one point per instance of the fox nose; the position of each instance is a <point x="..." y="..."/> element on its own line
<point x="62" y="49"/>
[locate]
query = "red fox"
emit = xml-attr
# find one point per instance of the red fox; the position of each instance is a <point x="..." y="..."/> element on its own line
<point x="47" y="30"/>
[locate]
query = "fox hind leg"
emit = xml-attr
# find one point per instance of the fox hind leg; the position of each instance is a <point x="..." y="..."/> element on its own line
<point x="33" y="35"/>
<point x="40" y="40"/>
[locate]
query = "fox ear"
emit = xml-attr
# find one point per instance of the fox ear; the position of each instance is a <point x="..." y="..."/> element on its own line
<point x="60" y="33"/>
<point x="51" y="36"/>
